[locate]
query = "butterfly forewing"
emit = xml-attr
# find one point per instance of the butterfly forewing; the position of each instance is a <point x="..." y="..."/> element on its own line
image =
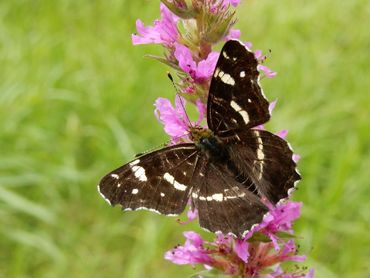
<point x="158" y="181"/>
<point x="235" y="98"/>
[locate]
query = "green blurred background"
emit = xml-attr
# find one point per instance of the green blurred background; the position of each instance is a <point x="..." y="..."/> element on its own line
<point x="76" y="101"/>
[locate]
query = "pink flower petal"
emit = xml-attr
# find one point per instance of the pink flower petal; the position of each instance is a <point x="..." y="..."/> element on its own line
<point x="234" y="34"/>
<point x="173" y="119"/>
<point x="185" y="59"/>
<point x="241" y="249"/>
<point x="282" y="133"/>
<point x="272" y="106"/>
<point x="164" y="30"/>
<point x="147" y="34"/>
<point x="232" y="2"/>
<point x="192" y="214"/>
<point x="202" y="111"/>
<point x="206" y="67"/>
<point x="191" y="253"/>
<point x="248" y="45"/>
<point x="194" y="237"/>
<point x="180" y="104"/>
<point x="258" y="54"/>
<point x="223" y="240"/>
<point x="268" y="73"/>
<point x="278" y="218"/>
<point x="296" y="157"/>
<point x="260" y="127"/>
<point x="167" y="25"/>
<point x="198" y="72"/>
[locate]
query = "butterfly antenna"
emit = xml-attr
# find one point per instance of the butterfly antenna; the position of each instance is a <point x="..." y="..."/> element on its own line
<point x="180" y="98"/>
<point x="265" y="57"/>
<point x="150" y="150"/>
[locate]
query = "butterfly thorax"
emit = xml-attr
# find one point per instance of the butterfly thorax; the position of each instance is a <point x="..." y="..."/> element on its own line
<point x="207" y="142"/>
<point x="216" y="152"/>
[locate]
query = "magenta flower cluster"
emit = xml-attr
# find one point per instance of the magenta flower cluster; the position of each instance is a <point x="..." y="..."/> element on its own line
<point x="260" y="251"/>
<point x="188" y="31"/>
<point x="193" y="59"/>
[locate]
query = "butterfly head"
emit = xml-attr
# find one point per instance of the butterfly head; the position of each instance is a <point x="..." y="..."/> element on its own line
<point x="206" y="141"/>
<point x="197" y="134"/>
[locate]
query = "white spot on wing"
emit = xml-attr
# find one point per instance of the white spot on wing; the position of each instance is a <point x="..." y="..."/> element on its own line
<point x="216" y="72"/>
<point x="134" y="162"/>
<point x="115" y="176"/>
<point x="242" y="74"/>
<point x="235" y="106"/>
<point x="225" y="55"/>
<point x="245" y="116"/>
<point x="179" y="186"/>
<point x="218" y="197"/>
<point x="162" y="194"/>
<point x="242" y="112"/>
<point x="149" y="209"/>
<point x="144" y="208"/>
<point x="139" y="173"/>
<point x="233" y="194"/>
<point x="260" y="154"/>
<point x="135" y="191"/>
<point x="227" y="79"/>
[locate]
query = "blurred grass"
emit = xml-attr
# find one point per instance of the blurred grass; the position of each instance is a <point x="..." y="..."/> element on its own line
<point x="76" y="101"/>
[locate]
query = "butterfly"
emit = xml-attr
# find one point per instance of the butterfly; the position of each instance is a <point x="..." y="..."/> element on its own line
<point x="227" y="170"/>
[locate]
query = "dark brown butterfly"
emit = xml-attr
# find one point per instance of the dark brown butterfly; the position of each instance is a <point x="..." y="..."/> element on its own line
<point x="229" y="167"/>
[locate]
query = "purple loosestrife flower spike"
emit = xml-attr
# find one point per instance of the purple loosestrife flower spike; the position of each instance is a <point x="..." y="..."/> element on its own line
<point x="190" y="53"/>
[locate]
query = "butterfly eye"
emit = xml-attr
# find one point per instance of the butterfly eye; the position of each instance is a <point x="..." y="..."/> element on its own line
<point x="207" y="143"/>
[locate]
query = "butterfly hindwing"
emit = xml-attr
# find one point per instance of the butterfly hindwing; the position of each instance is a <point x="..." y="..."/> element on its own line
<point x="224" y="205"/>
<point x="158" y="181"/>
<point x="267" y="160"/>
<point x="235" y="97"/>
